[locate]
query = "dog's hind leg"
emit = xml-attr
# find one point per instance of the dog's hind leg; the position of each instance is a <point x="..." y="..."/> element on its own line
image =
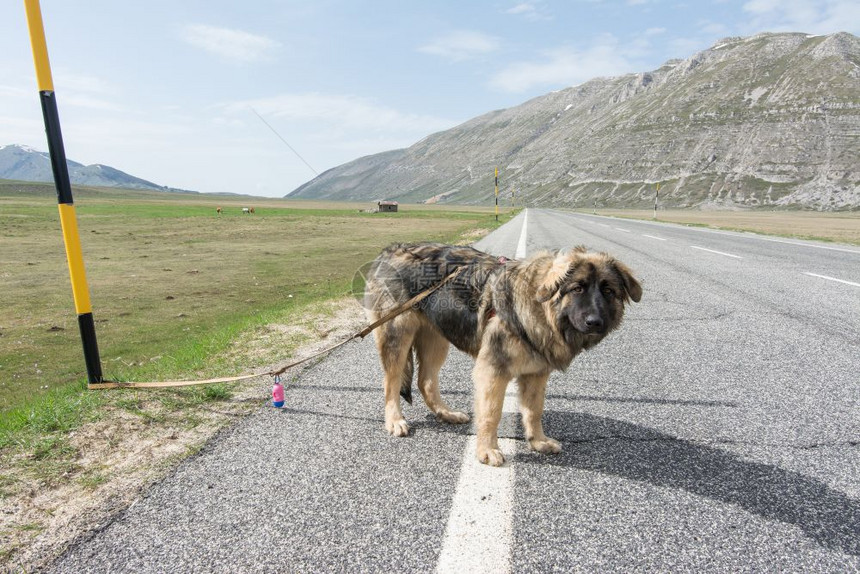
<point x="394" y="341"/>
<point x="532" y="394"/>
<point x="432" y="349"/>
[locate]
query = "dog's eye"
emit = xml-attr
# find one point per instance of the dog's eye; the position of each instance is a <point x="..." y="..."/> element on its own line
<point x="577" y="289"/>
<point x="608" y="293"/>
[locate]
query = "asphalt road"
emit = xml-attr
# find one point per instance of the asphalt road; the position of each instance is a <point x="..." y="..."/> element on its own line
<point x="717" y="430"/>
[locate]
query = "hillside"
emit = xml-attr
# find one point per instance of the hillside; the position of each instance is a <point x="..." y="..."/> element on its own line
<point x="26" y="164"/>
<point x="770" y="120"/>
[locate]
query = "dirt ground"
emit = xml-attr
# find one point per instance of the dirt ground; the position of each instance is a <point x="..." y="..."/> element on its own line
<point x="129" y="453"/>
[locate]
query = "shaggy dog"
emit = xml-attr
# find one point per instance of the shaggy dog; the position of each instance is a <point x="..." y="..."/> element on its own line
<point x="518" y="319"/>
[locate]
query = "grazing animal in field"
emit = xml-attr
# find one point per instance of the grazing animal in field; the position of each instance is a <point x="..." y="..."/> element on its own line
<point x="246" y="210"/>
<point x="518" y="319"/>
<point x="218" y="210"/>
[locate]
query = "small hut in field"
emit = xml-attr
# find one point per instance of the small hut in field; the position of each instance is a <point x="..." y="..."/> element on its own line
<point x="386" y="206"/>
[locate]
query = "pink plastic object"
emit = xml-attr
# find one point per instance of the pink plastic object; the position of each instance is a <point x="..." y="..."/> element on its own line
<point x="278" y="394"/>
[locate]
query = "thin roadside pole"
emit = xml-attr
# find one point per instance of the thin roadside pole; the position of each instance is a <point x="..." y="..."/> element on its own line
<point x="656" y="196"/>
<point x="68" y="219"/>
<point x="497" y="194"/>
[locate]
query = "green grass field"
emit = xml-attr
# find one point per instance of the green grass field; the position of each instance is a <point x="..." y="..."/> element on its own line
<point x="173" y="282"/>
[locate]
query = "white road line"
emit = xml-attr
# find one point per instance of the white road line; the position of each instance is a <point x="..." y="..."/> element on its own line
<point x="521" y="245"/>
<point x="831" y="278"/>
<point x="479" y="534"/>
<point x="654" y="237"/>
<point x="624" y="230"/>
<point x="717" y="252"/>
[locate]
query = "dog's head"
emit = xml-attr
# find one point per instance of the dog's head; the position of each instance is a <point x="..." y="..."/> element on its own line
<point x="585" y="292"/>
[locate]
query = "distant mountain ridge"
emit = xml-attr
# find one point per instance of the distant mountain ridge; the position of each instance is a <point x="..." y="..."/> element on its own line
<point x="27" y="164"/>
<point x="769" y="120"/>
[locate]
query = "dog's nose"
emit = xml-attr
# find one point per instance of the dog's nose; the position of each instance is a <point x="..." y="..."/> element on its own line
<point x="594" y="322"/>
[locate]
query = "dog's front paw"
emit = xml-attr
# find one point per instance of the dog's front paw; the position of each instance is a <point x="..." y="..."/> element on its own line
<point x="397" y="427"/>
<point x="491" y="456"/>
<point x="546" y="445"/>
<point x="453" y="417"/>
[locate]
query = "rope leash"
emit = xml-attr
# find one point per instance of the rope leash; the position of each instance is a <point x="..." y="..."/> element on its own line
<point x="275" y="373"/>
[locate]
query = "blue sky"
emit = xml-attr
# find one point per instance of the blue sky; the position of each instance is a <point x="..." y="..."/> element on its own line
<point x="166" y="90"/>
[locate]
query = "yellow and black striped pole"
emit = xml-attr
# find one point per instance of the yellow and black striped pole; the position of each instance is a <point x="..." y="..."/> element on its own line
<point x="497" y="194"/>
<point x="68" y="219"/>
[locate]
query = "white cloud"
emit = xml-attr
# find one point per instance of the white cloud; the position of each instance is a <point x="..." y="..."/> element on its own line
<point x="235" y="45"/>
<point x="118" y="132"/>
<point x="24" y="129"/>
<point x="87" y="91"/>
<point x="343" y="111"/>
<point x="529" y="10"/>
<point x="566" y="67"/>
<point x="462" y="45"/>
<point x="654" y="31"/>
<point x="813" y="16"/>
<point x="86" y="101"/>
<point x="524" y="8"/>
<point x="68" y="80"/>
<point x="18" y="91"/>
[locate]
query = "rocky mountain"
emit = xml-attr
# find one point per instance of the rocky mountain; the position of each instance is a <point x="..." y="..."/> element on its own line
<point x="26" y="164"/>
<point x="769" y="120"/>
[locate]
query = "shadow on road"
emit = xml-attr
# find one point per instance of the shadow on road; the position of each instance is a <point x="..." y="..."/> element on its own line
<point x="644" y="400"/>
<point x="591" y="398"/>
<point x="635" y="452"/>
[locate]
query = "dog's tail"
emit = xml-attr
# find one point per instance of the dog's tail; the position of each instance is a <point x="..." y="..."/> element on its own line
<point x="407" y="376"/>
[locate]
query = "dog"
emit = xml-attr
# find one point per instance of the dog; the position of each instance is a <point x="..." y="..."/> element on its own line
<point x="518" y="319"/>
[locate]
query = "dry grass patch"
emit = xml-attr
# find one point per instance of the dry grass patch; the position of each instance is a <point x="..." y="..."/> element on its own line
<point x="842" y="227"/>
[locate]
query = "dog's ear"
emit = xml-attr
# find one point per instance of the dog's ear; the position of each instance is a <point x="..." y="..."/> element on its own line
<point x="631" y="285"/>
<point x="561" y="266"/>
